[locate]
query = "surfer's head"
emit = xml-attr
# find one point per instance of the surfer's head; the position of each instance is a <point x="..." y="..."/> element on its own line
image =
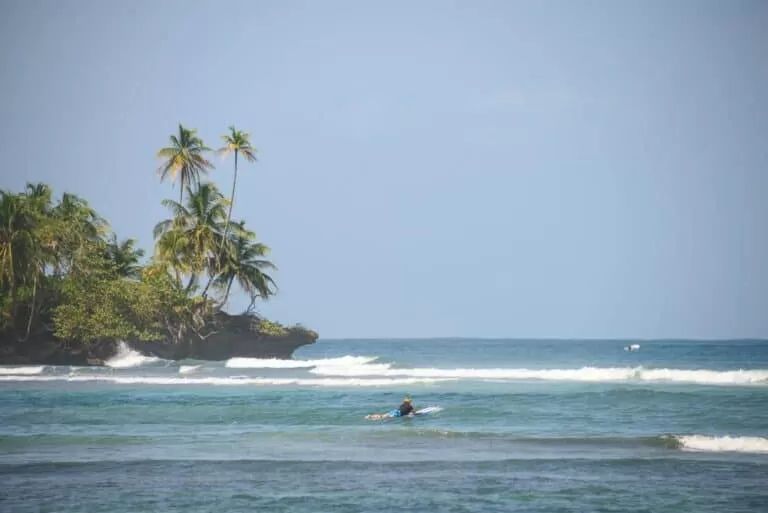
<point x="407" y="400"/>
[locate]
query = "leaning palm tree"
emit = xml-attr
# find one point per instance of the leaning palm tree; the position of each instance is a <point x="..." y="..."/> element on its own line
<point x="185" y="158"/>
<point x="236" y="141"/>
<point x="242" y="262"/>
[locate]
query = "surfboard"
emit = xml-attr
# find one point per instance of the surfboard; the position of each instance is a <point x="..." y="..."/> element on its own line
<point x="424" y="411"/>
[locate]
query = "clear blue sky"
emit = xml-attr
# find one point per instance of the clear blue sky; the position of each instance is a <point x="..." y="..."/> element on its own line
<point x="434" y="168"/>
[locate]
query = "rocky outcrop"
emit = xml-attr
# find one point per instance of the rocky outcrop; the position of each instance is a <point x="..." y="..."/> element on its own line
<point x="229" y="337"/>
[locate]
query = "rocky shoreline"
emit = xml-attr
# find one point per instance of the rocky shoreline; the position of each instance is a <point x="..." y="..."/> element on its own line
<point x="236" y="336"/>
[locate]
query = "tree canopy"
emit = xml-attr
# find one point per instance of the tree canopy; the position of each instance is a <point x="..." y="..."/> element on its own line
<point x="63" y="269"/>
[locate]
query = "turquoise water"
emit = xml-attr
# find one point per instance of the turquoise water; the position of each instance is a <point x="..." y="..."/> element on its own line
<point x="582" y="426"/>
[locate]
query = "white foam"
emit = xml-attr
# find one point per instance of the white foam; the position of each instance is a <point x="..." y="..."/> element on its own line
<point x="186" y="369"/>
<point x="127" y="357"/>
<point x="704" y="376"/>
<point x="586" y="374"/>
<point x="431" y="409"/>
<point x="274" y="363"/>
<point x="231" y="380"/>
<point x="752" y="444"/>
<point x="366" y="369"/>
<point x="4" y="371"/>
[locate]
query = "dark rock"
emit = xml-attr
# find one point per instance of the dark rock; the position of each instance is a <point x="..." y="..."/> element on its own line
<point x="229" y="337"/>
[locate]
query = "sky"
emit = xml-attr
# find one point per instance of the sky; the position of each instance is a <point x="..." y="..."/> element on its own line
<point x="566" y="169"/>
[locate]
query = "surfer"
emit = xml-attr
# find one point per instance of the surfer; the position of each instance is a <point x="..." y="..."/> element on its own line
<point x="404" y="410"/>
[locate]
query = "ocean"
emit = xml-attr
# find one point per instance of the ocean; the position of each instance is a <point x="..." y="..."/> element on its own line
<point x="529" y="426"/>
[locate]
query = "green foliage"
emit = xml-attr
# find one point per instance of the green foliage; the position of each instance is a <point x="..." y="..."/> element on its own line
<point x="124" y="257"/>
<point x="38" y="239"/>
<point x="101" y="309"/>
<point x="240" y="262"/>
<point x="271" y="329"/>
<point x="299" y="329"/>
<point x="275" y="329"/>
<point x="184" y="158"/>
<point x="103" y="305"/>
<point x="188" y="240"/>
<point x="194" y="243"/>
<point x="60" y="262"/>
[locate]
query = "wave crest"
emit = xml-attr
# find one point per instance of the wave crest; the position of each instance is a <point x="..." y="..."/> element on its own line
<point x="702" y="443"/>
<point x="21" y="371"/>
<point x="228" y="381"/>
<point x="585" y="374"/>
<point x="274" y="363"/>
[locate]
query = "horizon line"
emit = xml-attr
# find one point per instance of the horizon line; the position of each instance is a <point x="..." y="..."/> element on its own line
<point x="557" y="339"/>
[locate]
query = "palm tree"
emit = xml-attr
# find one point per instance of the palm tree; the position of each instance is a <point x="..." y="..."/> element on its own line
<point x="25" y="246"/>
<point x="171" y="250"/>
<point x="43" y="250"/>
<point x="242" y="263"/>
<point x="189" y="239"/>
<point x="185" y="158"/>
<point x="16" y="243"/>
<point x="124" y="256"/>
<point x="78" y="228"/>
<point x="236" y="141"/>
<point x="40" y="195"/>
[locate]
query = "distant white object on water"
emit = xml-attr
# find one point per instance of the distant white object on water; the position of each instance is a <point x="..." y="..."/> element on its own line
<point x="632" y="347"/>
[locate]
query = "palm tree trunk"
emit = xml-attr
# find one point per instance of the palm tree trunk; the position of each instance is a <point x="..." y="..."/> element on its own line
<point x="205" y="290"/>
<point x="231" y="204"/>
<point x="229" y="286"/>
<point x="226" y="294"/>
<point x="181" y="192"/>
<point x="226" y="228"/>
<point x="14" y="292"/>
<point x="33" y="308"/>
<point x="191" y="282"/>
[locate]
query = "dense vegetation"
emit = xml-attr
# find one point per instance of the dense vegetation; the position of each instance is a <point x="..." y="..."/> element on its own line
<point x="63" y="271"/>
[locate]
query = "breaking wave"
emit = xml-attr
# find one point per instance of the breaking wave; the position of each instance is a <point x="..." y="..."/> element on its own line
<point x="585" y="374"/>
<point x="186" y="369"/>
<point x="227" y="381"/>
<point x="685" y="443"/>
<point x="127" y="357"/>
<point x="274" y="363"/>
<point x="25" y="371"/>
<point x="701" y="443"/>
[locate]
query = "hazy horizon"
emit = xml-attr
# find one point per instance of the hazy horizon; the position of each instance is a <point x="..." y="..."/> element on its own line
<point x="540" y="339"/>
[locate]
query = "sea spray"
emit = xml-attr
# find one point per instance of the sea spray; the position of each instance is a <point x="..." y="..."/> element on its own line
<point x="127" y="357"/>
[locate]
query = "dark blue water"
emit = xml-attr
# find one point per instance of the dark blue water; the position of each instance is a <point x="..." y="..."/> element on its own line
<point x="525" y="426"/>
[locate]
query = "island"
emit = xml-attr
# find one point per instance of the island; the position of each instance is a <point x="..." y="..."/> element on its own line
<point x="71" y="290"/>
